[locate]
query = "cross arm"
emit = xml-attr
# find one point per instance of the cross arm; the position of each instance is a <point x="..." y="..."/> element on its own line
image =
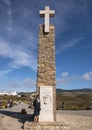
<point x="52" y="13"/>
<point x="42" y="13"/>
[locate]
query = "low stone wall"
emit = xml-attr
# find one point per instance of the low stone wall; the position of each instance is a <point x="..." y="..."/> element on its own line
<point x="45" y="126"/>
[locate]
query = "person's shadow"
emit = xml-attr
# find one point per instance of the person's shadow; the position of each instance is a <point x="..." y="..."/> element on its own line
<point x="18" y="115"/>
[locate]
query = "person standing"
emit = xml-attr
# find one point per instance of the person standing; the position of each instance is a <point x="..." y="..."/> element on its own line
<point x="11" y="103"/>
<point x="37" y="109"/>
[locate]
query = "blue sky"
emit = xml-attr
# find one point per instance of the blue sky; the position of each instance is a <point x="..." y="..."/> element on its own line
<point x="19" y="24"/>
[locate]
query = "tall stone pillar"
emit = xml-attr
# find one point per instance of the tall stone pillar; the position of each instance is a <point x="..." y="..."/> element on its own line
<point x="46" y="76"/>
<point x="46" y="73"/>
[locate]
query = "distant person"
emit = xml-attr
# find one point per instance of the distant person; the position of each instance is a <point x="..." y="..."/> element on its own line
<point x="11" y="103"/>
<point x="8" y="104"/>
<point x="0" y="103"/>
<point x="63" y="105"/>
<point x="36" y="105"/>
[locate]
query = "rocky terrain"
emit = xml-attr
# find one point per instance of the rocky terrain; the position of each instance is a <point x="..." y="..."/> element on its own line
<point x="12" y="119"/>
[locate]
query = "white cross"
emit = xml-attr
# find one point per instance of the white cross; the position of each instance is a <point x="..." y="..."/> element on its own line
<point x="47" y="13"/>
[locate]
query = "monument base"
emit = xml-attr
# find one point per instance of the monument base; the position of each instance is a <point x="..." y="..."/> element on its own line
<point x="45" y="126"/>
<point x="47" y="105"/>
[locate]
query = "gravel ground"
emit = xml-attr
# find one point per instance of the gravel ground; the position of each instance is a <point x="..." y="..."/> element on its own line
<point x="76" y="120"/>
<point x="12" y="119"/>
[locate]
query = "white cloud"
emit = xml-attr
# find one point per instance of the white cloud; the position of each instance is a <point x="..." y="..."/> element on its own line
<point x="9" y="13"/>
<point x="19" y="46"/>
<point x="4" y="72"/>
<point x="64" y="74"/>
<point x="87" y="76"/>
<point x="66" y="10"/>
<point x="66" y="20"/>
<point x="28" y="82"/>
<point x="18" y="55"/>
<point x="62" y="81"/>
<point x="14" y="85"/>
<point x="70" y="43"/>
<point x="7" y="2"/>
<point x="65" y="77"/>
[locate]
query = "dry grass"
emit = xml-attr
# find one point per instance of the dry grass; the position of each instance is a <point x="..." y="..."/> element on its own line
<point x="74" y="100"/>
<point x="4" y="100"/>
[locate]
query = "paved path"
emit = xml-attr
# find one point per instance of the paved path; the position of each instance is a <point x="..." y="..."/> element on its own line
<point x="12" y="119"/>
<point x="87" y="113"/>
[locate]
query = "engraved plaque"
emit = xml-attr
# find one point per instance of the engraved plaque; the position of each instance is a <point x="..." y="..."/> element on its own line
<point x="46" y="98"/>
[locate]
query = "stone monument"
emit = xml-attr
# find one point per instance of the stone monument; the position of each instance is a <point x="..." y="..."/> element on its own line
<point x="46" y="76"/>
<point x="46" y="71"/>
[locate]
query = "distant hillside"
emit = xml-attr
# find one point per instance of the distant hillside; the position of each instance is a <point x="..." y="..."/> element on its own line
<point x="74" y="90"/>
<point x="76" y="99"/>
